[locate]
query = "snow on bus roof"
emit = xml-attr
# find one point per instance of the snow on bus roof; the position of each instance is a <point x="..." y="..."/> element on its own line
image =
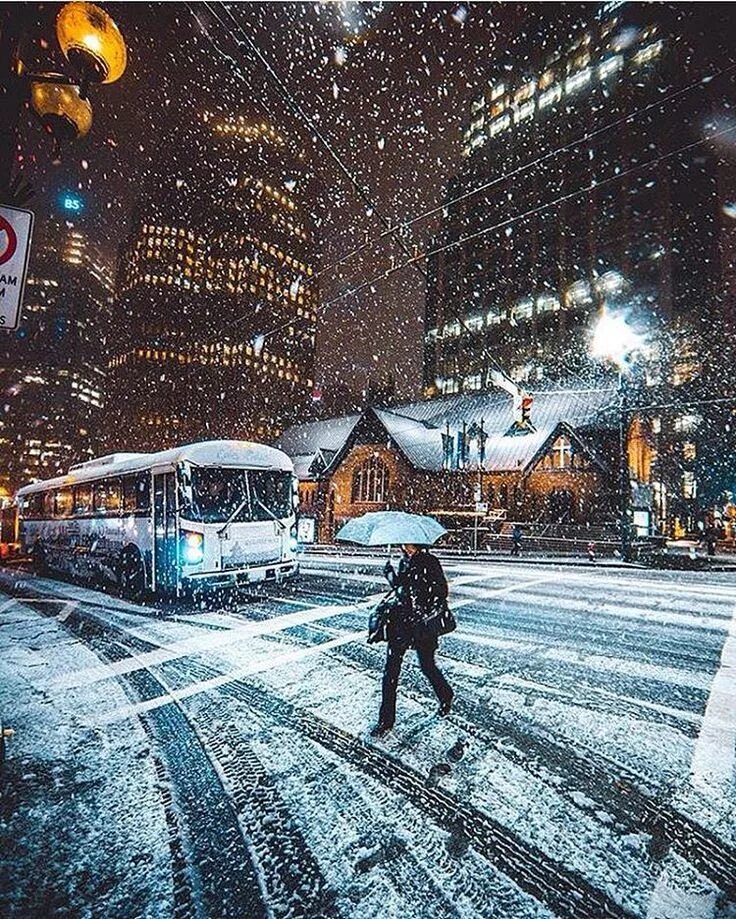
<point x="243" y="453"/>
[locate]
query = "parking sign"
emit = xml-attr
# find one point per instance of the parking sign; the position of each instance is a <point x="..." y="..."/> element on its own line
<point x="16" y="227"/>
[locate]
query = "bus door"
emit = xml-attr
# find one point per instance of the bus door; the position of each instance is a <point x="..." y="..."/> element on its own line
<point x="165" y="534"/>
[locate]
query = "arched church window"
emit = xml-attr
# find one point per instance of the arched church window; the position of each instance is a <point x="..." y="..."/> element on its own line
<point x="370" y="482"/>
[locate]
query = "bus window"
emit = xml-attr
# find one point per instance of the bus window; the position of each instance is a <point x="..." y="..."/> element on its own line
<point x="271" y="491"/>
<point x="218" y="495"/>
<point x="63" y="502"/>
<point x="136" y="493"/>
<point x="106" y="496"/>
<point x="83" y="498"/>
<point x="34" y="505"/>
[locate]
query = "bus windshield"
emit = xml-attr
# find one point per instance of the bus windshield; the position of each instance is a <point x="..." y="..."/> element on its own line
<point x="255" y="494"/>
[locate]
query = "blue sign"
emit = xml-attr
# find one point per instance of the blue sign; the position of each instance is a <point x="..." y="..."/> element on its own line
<point x="72" y="202"/>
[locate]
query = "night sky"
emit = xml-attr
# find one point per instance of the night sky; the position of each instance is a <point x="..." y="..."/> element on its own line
<point x="387" y="83"/>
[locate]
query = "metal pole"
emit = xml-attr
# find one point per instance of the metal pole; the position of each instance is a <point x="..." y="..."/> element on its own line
<point x="479" y="487"/>
<point x="624" y="482"/>
<point x="11" y="93"/>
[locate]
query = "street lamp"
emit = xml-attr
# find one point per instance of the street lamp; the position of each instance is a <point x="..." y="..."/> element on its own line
<point x="62" y="110"/>
<point x="91" y="43"/>
<point x="615" y="341"/>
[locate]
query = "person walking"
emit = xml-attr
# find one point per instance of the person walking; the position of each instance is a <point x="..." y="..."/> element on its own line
<point x="516" y="540"/>
<point x="420" y="588"/>
<point x="710" y="537"/>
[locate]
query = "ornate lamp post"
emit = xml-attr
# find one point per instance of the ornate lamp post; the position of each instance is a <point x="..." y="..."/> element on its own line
<point x="94" y="48"/>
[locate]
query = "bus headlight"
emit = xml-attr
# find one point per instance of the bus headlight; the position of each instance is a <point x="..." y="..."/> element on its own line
<point x="192" y="548"/>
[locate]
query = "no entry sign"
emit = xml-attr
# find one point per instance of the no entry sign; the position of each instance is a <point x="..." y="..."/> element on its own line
<point x="16" y="227"/>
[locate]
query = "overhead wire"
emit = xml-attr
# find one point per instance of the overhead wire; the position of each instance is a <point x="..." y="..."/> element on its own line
<point x="585" y="138"/>
<point x="302" y="114"/>
<point x="392" y="229"/>
<point x="530" y="213"/>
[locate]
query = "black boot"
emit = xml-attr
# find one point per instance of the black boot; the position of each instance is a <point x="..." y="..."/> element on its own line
<point x="444" y="710"/>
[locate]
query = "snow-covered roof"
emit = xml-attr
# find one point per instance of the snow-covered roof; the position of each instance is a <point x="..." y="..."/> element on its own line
<point x="238" y="453"/>
<point x="307" y="439"/>
<point x="417" y="427"/>
<point x="302" y="465"/>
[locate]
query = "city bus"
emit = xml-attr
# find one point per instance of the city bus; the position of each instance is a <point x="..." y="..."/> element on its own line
<point x="219" y="513"/>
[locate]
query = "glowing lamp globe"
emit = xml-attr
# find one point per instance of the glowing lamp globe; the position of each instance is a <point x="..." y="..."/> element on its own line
<point x="62" y="110"/>
<point x="91" y="42"/>
<point x="615" y="340"/>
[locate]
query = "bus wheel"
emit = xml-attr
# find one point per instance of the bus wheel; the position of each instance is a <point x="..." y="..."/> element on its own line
<point x="38" y="559"/>
<point x="132" y="575"/>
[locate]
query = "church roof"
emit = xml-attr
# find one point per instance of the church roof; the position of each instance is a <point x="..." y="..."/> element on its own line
<point x="417" y="427"/>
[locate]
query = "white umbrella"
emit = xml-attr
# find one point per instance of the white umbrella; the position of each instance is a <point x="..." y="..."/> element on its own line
<point x="391" y="528"/>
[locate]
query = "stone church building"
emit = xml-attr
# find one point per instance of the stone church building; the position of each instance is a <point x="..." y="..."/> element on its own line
<point x="467" y="460"/>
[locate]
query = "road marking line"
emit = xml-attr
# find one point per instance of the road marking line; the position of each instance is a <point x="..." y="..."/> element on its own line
<point x="67" y="608"/>
<point x="496" y="591"/>
<point x="712" y="767"/>
<point x="506" y="680"/>
<point x="579" y="657"/>
<point x="711" y="773"/>
<point x="270" y="663"/>
<point x="202" y="643"/>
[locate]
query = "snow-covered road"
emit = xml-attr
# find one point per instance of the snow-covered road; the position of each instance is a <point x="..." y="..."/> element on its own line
<point x="588" y="764"/>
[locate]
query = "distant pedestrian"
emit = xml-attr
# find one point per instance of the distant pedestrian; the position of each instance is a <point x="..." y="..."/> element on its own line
<point x="710" y="538"/>
<point x="420" y="590"/>
<point x="591" y="551"/>
<point x="516" y="536"/>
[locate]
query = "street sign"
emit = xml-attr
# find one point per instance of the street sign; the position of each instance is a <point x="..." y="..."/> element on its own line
<point x="481" y="507"/>
<point x="306" y="530"/>
<point x="16" y="227"/>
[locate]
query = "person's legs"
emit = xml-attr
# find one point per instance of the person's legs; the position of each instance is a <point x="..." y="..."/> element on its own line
<point x="394" y="657"/>
<point x="443" y="690"/>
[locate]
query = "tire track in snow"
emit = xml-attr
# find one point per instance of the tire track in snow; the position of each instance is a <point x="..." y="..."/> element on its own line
<point x="618" y="789"/>
<point x="218" y="877"/>
<point x="564" y="891"/>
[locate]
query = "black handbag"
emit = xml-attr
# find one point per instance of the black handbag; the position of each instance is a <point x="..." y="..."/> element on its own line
<point x="440" y="621"/>
<point x="379" y="616"/>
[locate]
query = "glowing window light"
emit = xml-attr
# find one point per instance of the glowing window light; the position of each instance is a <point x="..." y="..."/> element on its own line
<point x="610" y="66"/>
<point x="611" y="282"/>
<point x="500" y="124"/>
<point x="524" y="309"/>
<point x="547" y="303"/>
<point x="577" y="80"/>
<point x="525" y="92"/>
<point x="578" y="294"/>
<point x="524" y="111"/>
<point x="647" y="54"/>
<point x="553" y="94"/>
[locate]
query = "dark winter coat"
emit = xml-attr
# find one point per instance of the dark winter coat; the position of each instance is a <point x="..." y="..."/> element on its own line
<point x="420" y="585"/>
